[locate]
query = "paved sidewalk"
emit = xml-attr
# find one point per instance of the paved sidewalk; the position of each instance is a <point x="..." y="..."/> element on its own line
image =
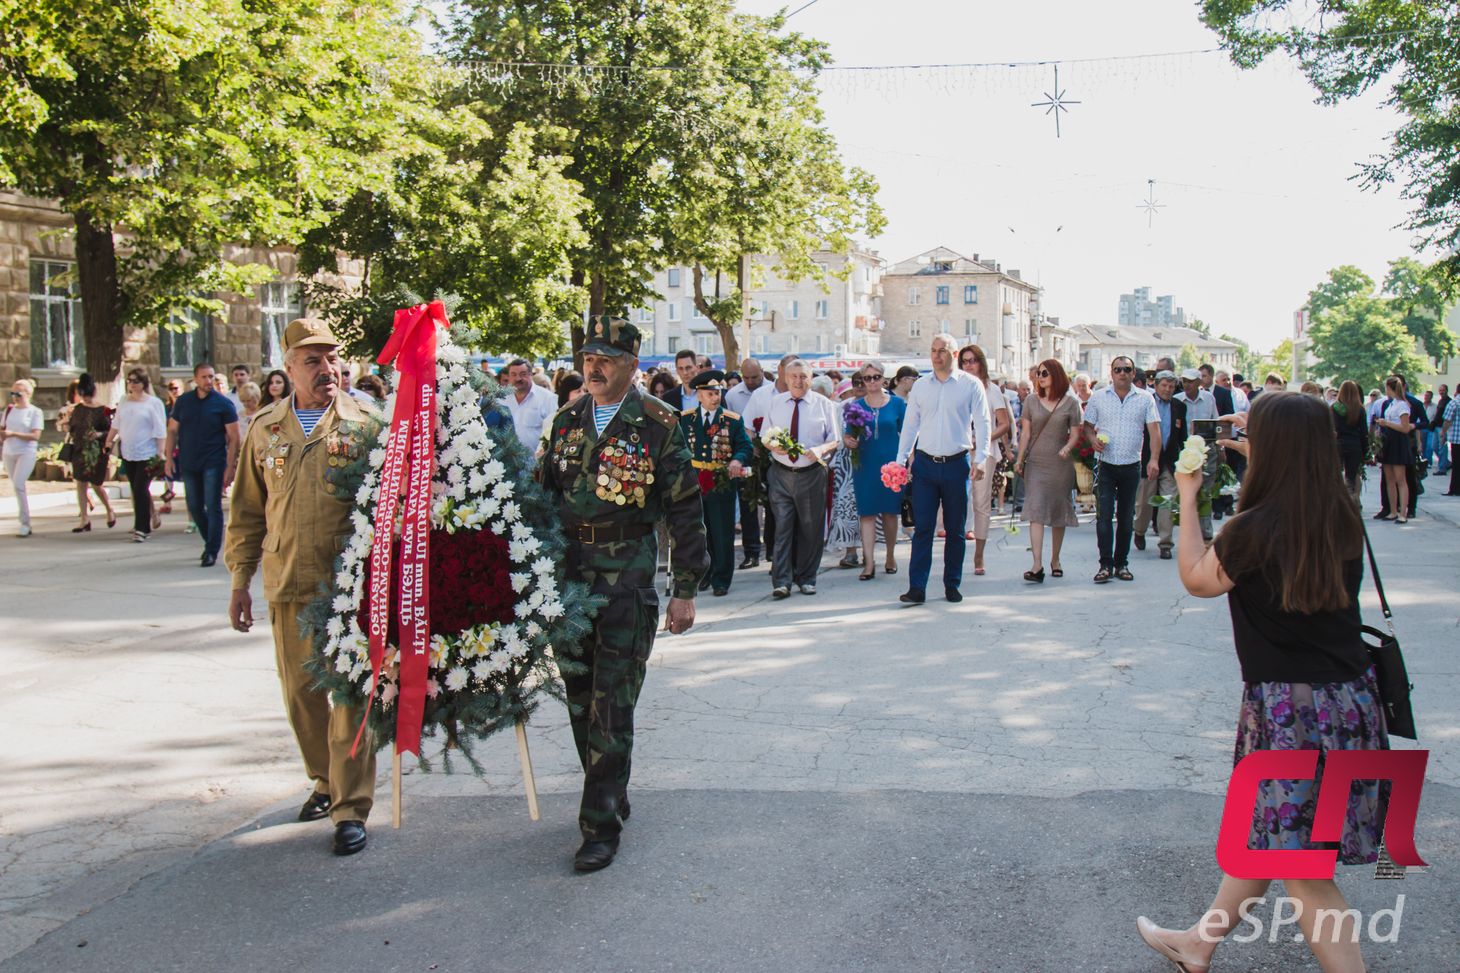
<point x="827" y="782"/>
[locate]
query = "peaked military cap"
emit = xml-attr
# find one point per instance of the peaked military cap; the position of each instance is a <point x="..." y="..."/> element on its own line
<point x="611" y="336"/>
<point x="713" y="379"/>
<point x="302" y="332"/>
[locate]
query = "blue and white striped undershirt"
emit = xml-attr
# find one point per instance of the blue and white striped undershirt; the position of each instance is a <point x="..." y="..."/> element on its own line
<point x="309" y="418"/>
<point x="603" y="415"/>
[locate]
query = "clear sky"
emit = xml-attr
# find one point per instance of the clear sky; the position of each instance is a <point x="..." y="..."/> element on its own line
<point x="1253" y="175"/>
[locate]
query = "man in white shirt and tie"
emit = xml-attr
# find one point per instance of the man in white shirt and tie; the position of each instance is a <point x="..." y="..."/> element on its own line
<point x="946" y="432"/>
<point x="797" y="487"/>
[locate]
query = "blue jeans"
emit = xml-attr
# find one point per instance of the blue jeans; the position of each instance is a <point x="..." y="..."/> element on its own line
<point x="935" y="484"/>
<point x="205" y="505"/>
<point x="1115" y="496"/>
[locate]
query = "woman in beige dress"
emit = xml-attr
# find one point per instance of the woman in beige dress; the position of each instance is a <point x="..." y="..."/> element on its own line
<point x="1049" y="429"/>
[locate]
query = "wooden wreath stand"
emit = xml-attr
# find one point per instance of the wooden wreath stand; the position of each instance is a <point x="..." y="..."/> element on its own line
<point x="529" y="783"/>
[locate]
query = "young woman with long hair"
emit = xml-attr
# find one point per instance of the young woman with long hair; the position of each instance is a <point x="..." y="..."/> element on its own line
<point x="275" y="387"/>
<point x="87" y="425"/>
<point x="1290" y="564"/>
<point x="972" y="360"/>
<point x="1396" y="442"/>
<point x="1351" y="428"/>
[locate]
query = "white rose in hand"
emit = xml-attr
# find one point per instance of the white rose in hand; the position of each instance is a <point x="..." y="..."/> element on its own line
<point x="1193" y="456"/>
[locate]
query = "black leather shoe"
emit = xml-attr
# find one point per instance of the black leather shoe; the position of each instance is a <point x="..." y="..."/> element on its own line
<point x="751" y="561"/>
<point x="349" y="837"/>
<point x="721" y="592"/>
<point x="595" y="855"/>
<point x="1139" y="540"/>
<point x="705" y="583"/>
<point x="952" y="594"/>
<point x="207" y="561"/>
<point x="317" y="807"/>
<point x="623" y="808"/>
<point x="913" y="596"/>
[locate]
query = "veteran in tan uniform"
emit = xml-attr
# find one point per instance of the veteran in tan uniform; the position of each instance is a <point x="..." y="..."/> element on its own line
<point x="290" y="516"/>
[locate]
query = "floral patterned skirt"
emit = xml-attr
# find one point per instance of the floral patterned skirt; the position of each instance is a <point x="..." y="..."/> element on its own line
<point x="1322" y="717"/>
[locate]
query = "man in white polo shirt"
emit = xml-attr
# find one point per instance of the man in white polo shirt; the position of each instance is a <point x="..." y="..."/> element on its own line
<point x="1117" y="418"/>
<point x="531" y="405"/>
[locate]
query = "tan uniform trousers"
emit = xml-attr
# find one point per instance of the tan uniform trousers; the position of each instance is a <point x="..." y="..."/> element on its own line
<point x="325" y="733"/>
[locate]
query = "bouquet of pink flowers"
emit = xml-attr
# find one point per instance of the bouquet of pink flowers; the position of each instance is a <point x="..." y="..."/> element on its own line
<point x="895" y="476"/>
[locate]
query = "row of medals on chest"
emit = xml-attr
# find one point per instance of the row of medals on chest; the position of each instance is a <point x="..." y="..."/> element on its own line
<point x="624" y="473"/>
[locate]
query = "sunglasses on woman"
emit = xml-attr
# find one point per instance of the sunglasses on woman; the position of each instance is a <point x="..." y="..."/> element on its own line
<point x="1043" y="373"/>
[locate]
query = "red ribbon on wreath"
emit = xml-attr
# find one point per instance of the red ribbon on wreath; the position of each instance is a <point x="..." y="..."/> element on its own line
<point x="410" y="463"/>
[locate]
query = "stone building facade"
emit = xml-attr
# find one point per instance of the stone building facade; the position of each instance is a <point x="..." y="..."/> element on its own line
<point x="1099" y="345"/>
<point x="41" y="332"/>
<point x="972" y="298"/>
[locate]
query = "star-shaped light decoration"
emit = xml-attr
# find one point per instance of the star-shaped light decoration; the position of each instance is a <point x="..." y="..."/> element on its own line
<point x="1055" y="103"/>
<point x="1150" y="205"/>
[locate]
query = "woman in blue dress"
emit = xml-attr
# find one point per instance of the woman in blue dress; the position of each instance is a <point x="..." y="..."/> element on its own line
<point x="875" y="448"/>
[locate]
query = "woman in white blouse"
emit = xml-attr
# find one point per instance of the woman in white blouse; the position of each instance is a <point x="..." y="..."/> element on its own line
<point x="21" y="432"/>
<point x="141" y="425"/>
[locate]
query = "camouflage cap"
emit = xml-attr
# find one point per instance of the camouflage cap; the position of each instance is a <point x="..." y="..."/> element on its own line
<point x="612" y="337"/>
<point x="302" y="331"/>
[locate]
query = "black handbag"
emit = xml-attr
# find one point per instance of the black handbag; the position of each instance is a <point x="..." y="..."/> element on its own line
<point x="907" y="511"/>
<point x="67" y="452"/>
<point x="1388" y="661"/>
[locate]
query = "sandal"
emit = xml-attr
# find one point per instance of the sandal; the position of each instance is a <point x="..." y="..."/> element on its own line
<point x="889" y="569"/>
<point x="1150" y="934"/>
<point x="1123" y="573"/>
<point x="1103" y="575"/>
<point x="1035" y="576"/>
<point x="1056" y="572"/>
<point x="868" y="575"/>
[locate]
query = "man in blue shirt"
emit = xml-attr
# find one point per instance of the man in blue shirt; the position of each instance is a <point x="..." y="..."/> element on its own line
<point x="204" y="429"/>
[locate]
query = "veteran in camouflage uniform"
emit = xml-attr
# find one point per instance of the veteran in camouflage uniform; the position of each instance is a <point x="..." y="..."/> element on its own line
<point x="721" y="451"/>
<point x="616" y="463"/>
<point x="290" y="516"/>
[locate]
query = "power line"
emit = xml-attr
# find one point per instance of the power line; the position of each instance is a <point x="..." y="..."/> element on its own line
<point x="810" y="3"/>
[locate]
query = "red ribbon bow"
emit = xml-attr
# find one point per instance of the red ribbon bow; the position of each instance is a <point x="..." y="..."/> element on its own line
<point x="410" y="463"/>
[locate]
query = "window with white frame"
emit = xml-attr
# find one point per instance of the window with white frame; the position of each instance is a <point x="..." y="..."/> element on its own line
<point x="941" y="294"/>
<point x="673" y="276"/>
<point x="970" y="328"/>
<point x="762" y="344"/>
<point x="703" y="344"/>
<point x="823" y="310"/>
<point x="914" y="329"/>
<point x="187" y="342"/>
<point x="646" y="343"/>
<point x="279" y="303"/>
<point x="673" y="307"/>
<point x="795" y="344"/>
<point x="970" y="293"/>
<point x="794" y="311"/>
<point x="914" y="295"/>
<point x="646" y="315"/>
<point x="765" y="309"/>
<point x="694" y="311"/>
<point x="820" y="343"/>
<point x="56" y="332"/>
<point x="673" y="346"/>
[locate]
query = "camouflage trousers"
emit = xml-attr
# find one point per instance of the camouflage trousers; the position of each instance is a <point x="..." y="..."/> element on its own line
<point x="601" y="698"/>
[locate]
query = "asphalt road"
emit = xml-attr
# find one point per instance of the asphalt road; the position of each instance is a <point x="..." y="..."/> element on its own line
<point x="836" y="782"/>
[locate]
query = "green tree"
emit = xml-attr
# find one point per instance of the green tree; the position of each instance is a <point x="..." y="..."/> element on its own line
<point x="1419" y="295"/>
<point x="168" y="131"/>
<point x="1200" y="327"/>
<point x="1346" y="47"/>
<point x="1187" y="357"/>
<point x="1362" y="339"/>
<point x="1343" y="284"/>
<point x="689" y="128"/>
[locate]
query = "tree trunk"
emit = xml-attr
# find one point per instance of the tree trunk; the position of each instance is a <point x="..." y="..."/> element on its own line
<point x="101" y="304"/>
<point x="726" y="329"/>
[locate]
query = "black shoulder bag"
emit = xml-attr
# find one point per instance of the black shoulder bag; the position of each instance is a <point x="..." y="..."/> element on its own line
<point x="1388" y="661"/>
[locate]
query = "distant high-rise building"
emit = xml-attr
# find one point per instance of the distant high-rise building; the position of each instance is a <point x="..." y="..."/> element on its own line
<point x="1137" y="310"/>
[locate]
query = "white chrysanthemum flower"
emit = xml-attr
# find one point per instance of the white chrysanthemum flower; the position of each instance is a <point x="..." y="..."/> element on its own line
<point x="511" y="512"/>
<point x="535" y="600"/>
<point x="454" y="475"/>
<point x="495" y="470"/>
<point x="520" y="582"/>
<point x="552" y="609"/>
<point x="342" y="602"/>
<point x="521" y="532"/>
<point x="358" y="670"/>
<point x="517" y="550"/>
<point x="342" y="662"/>
<point x="457" y="678"/>
<point x="533" y="545"/>
<point x="335" y="627"/>
<point x="377" y="457"/>
<point x="533" y="630"/>
<point x="477" y="482"/>
<point x="499" y="661"/>
<point x="499" y="527"/>
<point x="457" y="491"/>
<point x="359" y="521"/>
<point x="489" y="508"/>
<point x="543" y="565"/>
<point x="523" y="609"/>
<point x="483" y="671"/>
<point x="502" y="491"/>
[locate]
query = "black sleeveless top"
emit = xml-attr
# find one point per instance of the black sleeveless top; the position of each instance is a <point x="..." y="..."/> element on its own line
<point x="1274" y="645"/>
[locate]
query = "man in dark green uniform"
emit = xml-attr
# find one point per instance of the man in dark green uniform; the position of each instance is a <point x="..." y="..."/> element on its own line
<point x="721" y="451"/>
<point x="616" y="463"/>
